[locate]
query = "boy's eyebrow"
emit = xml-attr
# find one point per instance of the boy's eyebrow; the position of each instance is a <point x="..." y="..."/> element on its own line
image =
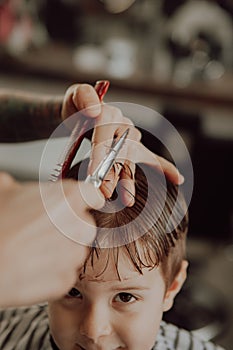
<point x="121" y="288"/>
<point x="130" y="288"/>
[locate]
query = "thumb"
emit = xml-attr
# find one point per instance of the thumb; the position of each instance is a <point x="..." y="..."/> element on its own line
<point x="91" y="197"/>
<point x="67" y="204"/>
<point x="7" y="181"/>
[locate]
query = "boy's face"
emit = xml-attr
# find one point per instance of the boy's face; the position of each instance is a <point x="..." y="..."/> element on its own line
<point x="102" y="312"/>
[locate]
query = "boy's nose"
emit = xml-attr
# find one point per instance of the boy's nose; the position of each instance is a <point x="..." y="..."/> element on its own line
<point x="95" y="323"/>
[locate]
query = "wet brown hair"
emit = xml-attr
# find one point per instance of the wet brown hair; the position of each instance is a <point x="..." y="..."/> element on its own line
<point x="151" y="233"/>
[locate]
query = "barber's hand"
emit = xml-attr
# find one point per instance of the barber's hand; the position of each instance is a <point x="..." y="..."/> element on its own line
<point x="37" y="262"/>
<point x="110" y="124"/>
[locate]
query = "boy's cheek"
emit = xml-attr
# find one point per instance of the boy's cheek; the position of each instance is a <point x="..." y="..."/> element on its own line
<point x="144" y="331"/>
<point x="63" y="324"/>
<point x="61" y="319"/>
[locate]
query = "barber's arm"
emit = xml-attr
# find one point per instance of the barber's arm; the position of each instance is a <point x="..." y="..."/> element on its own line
<point x="26" y="116"/>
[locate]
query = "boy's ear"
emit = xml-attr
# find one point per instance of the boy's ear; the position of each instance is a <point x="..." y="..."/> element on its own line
<point x="175" y="286"/>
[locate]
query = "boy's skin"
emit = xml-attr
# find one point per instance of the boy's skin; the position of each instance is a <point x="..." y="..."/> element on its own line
<point x="107" y="313"/>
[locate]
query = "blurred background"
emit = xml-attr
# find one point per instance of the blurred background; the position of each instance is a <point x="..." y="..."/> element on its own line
<point x="174" y="56"/>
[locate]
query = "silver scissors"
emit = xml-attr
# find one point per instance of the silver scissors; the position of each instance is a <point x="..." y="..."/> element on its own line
<point x="105" y="165"/>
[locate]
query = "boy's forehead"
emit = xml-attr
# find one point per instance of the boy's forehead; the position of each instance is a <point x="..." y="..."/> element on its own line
<point x="107" y="268"/>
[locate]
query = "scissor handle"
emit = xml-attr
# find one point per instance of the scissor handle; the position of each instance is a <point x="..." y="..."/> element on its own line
<point x="101" y="87"/>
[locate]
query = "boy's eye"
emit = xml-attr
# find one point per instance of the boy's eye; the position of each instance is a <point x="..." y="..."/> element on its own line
<point x="125" y="298"/>
<point x="74" y="293"/>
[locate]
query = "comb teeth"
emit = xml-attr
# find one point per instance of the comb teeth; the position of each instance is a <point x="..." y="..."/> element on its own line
<point x="56" y="172"/>
<point x="53" y="178"/>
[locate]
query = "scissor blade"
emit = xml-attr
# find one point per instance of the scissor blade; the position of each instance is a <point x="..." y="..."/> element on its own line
<point x="111" y="157"/>
<point x="99" y="174"/>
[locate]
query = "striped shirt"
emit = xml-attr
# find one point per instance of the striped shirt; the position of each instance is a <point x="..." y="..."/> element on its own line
<point x="27" y="328"/>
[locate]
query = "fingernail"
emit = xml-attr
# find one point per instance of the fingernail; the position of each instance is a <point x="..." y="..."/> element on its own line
<point x="92" y="110"/>
<point x="128" y="200"/>
<point x="181" y="179"/>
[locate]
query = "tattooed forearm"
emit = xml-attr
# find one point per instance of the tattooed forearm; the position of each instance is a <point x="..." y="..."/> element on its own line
<point x="26" y="117"/>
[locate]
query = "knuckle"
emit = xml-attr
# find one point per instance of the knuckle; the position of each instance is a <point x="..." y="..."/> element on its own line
<point x="110" y="115"/>
<point x="116" y="114"/>
<point x="6" y="180"/>
<point x="138" y="134"/>
<point x="128" y="121"/>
